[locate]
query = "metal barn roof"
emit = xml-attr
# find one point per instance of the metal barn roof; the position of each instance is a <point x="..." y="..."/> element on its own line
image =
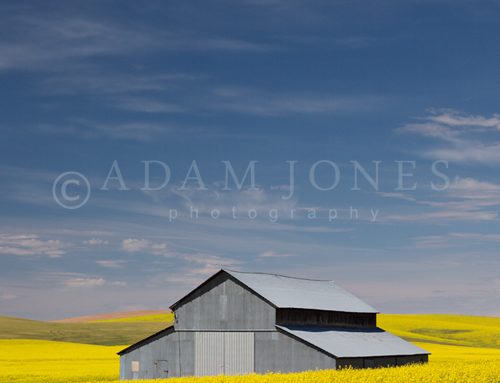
<point x="352" y="343"/>
<point x="300" y="293"/>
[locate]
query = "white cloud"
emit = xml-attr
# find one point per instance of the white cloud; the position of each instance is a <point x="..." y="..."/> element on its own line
<point x="110" y="263"/>
<point x="208" y="263"/>
<point x="30" y="245"/>
<point x="460" y="137"/>
<point x="90" y="282"/>
<point x="466" y="199"/>
<point x="457" y="239"/>
<point x="134" y="245"/>
<point x="43" y="43"/>
<point x="95" y="242"/>
<point x="273" y="254"/>
<point x="454" y="118"/>
<point x="84" y="282"/>
<point x="200" y="266"/>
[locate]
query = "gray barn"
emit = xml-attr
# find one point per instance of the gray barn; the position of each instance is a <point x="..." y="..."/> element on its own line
<point x="239" y="323"/>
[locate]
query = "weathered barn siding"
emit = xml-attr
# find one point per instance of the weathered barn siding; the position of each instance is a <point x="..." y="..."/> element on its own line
<point x="272" y="351"/>
<point x="224" y="353"/>
<point x="160" y="358"/>
<point x="225" y="305"/>
<point x="151" y="358"/>
<point x="307" y="317"/>
<point x="275" y="351"/>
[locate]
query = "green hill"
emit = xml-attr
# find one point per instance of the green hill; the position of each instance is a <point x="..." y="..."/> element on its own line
<point x="102" y="333"/>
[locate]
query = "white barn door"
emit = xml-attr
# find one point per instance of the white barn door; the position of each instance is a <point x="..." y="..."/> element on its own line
<point x="229" y="353"/>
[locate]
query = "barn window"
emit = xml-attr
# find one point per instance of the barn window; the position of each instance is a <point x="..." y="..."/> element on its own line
<point x="135" y="366"/>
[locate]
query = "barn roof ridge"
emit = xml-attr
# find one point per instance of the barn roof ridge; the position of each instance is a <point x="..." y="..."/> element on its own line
<point x="279" y="275"/>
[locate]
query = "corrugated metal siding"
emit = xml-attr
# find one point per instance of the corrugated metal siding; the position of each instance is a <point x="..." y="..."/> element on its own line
<point x="278" y="352"/>
<point x="229" y="353"/>
<point x="225" y="305"/>
<point x="209" y="353"/>
<point x="238" y="353"/>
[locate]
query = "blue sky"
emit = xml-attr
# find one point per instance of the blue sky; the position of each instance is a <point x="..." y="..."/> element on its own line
<point x="86" y="84"/>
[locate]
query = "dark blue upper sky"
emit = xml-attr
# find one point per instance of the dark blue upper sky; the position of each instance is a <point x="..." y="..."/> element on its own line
<point x="84" y="84"/>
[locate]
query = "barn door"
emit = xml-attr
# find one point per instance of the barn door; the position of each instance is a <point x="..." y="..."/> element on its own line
<point x="229" y="353"/>
<point x="238" y="353"/>
<point x="209" y="353"/>
<point x="161" y="369"/>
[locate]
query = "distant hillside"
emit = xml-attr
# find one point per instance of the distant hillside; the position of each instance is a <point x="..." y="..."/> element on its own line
<point x="129" y="327"/>
<point x="123" y="316"/>
<point x="460" y="330"/>
<point x="107" y="332"/>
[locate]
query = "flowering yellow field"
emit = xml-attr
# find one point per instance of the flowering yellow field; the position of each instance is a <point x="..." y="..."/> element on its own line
<point x="464" y="350"/>
<point x="33" y="361"/>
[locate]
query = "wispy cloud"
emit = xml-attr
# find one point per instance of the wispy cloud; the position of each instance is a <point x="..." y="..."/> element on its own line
<point x="459" y="137"/>
<point x="43" y="43"/>
<point x="273" y="254"/>
<point x="466" y="199"/>
<point x="397" y="195"/>
<point x="138" y="131"/>
<point x="112" y="83"/>
<point x="268" y="104"/>
<point x="95" y="242"/>
<point x="30" y="245"/>
<point x="454" y="239"/>
<point x="110" y="263"/>
<point x="90" y="282"/>
<point x="204" y="263"/>
<point x="148" y="106"/>
<point x="134" y="245"/>
<point x="84" y="282"/>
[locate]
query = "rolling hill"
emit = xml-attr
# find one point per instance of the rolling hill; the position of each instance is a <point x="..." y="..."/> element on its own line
<point x="458" y="330"/>
<point x="108" y="332"/>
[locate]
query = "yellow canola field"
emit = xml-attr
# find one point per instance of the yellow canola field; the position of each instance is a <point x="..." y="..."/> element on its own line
<point x="460" y="330"/>
<point x="31" y="361"/>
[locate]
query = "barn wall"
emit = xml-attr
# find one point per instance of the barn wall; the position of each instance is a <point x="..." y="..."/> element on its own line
<point x="410" y="359"/>
<point x="159" y="355"/>
<point x="275" y="351"/>
<point x="146" y="355"/>
<point x="225" y="305"/>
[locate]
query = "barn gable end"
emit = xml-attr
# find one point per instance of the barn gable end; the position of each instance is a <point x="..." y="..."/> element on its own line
<point x="222" y="303"/>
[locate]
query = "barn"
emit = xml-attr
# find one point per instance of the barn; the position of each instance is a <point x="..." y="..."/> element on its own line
<point x="239" y="323"/>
